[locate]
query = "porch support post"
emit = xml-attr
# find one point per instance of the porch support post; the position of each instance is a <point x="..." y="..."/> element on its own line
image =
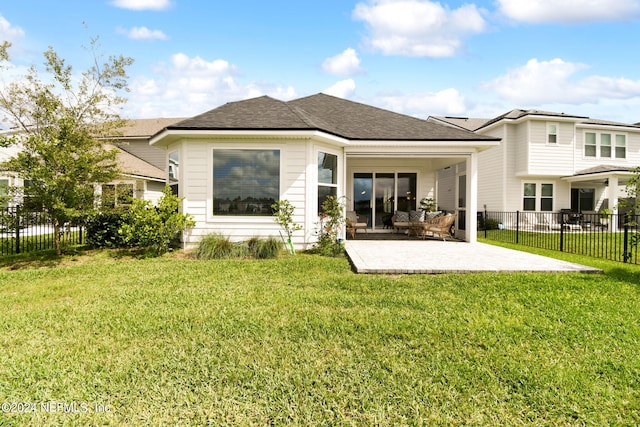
<point x="613" y="201"/>
<point x="472" y="199"/>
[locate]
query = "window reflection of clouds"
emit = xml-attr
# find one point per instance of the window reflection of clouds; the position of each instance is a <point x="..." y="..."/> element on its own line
<point x="251" y="176"/>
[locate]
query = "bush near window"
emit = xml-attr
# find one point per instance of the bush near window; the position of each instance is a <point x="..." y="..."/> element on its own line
<point x="155" y="227"/>
<point x="103" y="229"/>
<point x="217" y="246"/>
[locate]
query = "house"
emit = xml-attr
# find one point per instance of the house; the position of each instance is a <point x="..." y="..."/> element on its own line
<point x="550" y="161"/>
<point x="143" y="166"/>
<point x="233" y="162"/>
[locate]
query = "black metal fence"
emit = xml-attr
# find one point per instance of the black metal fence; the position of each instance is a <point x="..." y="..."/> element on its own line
<point x="608" y="236"/>
<point x="23" y="231"/>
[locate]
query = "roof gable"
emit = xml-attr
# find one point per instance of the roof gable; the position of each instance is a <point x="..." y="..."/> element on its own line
<point x="321" y="112"/>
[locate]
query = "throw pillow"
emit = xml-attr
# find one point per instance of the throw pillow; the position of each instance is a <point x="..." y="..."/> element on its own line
<point x="402" y="216"/>
<point x="416" y="216"/>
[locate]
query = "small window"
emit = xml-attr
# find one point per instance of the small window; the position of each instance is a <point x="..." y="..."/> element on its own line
<point x="621" y="146"/>
<point x="546" y="197"/>
<point x="174" y="170"/>
<point x="589" y="144"/>
<point x="605" y="145"/>
<point x="529" y="200"/>
<point x="552" y="133"/>
<point x="327" y="177"/>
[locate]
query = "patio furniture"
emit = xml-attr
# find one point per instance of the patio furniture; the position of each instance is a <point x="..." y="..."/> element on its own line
<point x="440" y="226"/>
<point x="356" y="222"/>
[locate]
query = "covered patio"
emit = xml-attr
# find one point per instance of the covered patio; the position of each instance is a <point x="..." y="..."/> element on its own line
<point x="437" y="257"/>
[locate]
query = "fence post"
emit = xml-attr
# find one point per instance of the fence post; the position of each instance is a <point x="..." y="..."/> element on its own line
<point x="485" y="222"/>
<point x="561" y="234"/>
<point x="517" y="227"/>
<point x="17" y="225"/>
<point x="625" y="254"/>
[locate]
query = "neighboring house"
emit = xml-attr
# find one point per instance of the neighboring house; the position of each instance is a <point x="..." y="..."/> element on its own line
<point x="144" y="168"/>
<point x="233" y="162"/>
<point x="552" y="161"/>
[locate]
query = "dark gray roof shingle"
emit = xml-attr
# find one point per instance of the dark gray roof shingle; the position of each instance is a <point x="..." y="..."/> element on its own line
<point x="337" y="116"/>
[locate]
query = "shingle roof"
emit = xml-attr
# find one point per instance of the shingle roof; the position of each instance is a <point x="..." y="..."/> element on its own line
<point x="132" y="165"/>
<point x="146" y="127"/>
<point x="339" y="117"/>
<point x="602" y="169"/>
<point x="517" y="114"/>
<point x="462" y="122"/>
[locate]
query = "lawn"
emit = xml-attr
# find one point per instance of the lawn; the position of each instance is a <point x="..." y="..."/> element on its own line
<point x="97" y="339"/>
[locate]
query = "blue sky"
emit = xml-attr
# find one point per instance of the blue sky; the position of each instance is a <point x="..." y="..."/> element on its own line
<point x="476" y="59"/>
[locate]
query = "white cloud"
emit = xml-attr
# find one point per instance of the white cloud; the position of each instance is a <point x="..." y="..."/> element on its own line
<point x="569" y="11"/>
<point x="142" y="4"/>
<point x="143" y="33"/>
<point x="548" y="82"/>
<point x="9" y="32"/>
<point x="344" y="64"/>
<point x="192" y="85"/>
<point x="446" y="102"/>
<point x="418" y="27"/>
<point x="342" y="89"/>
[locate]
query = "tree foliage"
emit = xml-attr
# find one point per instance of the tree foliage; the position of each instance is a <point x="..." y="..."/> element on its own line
<point x="61" y="121"/>
<point x="154" y="227"/>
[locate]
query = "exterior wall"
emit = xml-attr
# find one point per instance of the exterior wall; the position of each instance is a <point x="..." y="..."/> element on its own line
<point x="196" y="181"/>
<point x="152" y="191"/>
<point x="550" y="159"/>
<point x="491" y="174"/>
<point x="633" y="150"/>
<point x="141" y="149"/>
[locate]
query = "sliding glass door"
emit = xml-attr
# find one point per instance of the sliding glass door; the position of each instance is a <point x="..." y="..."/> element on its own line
<point x="377" y="195"/>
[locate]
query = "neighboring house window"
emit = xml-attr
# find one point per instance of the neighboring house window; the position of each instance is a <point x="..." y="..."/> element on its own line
<point x="605" y="145"/>
<point x="174" y="169"/>
<point x="327" y="177"/>
<point x="601" y="145"/>
<point x="532" y="198"/>
<point x="621" y="146"/>
<point x="529" y="200"/>
<point x="552" y="133"/>
<point x="245" y="182"/>
<point x="589" y="144"/>
<point x="546" y="197"/>
<point x="116" y="195"/>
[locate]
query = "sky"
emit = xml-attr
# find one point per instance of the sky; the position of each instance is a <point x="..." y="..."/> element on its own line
<point x="475" y="58"/>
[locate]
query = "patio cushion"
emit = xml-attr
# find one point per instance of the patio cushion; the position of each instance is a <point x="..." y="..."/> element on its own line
<point x="416" y="216"/>
<point x="402" y="216"/>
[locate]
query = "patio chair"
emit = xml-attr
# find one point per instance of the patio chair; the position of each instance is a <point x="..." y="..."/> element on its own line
<point x="440" y="226"/>
<point x="356" y="222"/>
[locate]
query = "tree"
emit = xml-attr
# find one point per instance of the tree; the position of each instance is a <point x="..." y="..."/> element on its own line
<point x="62" y="124"/>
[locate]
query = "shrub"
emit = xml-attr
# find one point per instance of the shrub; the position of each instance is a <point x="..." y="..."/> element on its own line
<point x="155" y="227"/>
<point x="217" y="246"/>
<point x="103" y="229"/>
<point x="330" y="223"/>
<point x="264" y="248"/>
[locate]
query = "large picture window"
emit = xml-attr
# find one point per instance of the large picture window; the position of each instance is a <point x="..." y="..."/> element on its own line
<point x="245" y="182"/>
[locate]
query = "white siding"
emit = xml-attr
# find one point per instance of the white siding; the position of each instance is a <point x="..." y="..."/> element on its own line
<point x="633" y="150"/>
<point x="196" y="169"/>
<point x="550" y="159"/>
<point x="491" y="175"/>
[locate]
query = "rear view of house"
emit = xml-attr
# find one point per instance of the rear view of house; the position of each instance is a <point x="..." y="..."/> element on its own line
<point x="231" y="163"/>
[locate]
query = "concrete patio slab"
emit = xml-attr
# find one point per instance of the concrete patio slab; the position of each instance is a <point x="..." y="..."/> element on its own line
<point x="434" y="257"/>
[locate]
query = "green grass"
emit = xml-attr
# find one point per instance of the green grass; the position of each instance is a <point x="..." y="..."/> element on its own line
<point x="35" y="243"/>
<point x="304" y="341"/>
